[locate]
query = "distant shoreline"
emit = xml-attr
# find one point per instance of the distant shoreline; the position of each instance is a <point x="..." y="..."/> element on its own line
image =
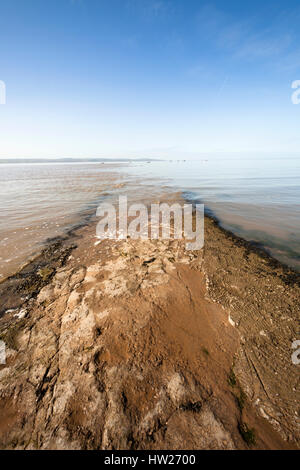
<point x="77" y="160"/>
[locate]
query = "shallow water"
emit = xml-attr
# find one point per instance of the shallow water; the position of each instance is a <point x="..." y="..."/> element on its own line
<point x="39" y="201"/>
<point x="257" y="199"/>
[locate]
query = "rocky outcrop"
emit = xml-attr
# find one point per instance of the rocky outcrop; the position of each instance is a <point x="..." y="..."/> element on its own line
<point x="123" y="348"/>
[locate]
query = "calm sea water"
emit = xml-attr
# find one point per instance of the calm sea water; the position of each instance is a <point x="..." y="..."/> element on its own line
<point x="256" y="198"/>
<point x="38" y="201"/>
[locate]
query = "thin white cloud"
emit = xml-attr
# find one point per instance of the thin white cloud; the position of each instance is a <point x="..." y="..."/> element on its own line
<point x="261" y="46"/>
<point x="242" y="39"/>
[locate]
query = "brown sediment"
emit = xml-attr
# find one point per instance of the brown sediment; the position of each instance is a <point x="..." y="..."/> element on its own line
<point x="143" y="345"/>
<point x="262" y="298"/>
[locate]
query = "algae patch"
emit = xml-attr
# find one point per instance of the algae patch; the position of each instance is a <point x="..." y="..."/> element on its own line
<point x="247" y="434"/>
<point x="45" y="273"/>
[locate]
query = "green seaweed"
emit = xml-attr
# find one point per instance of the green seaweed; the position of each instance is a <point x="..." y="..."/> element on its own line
<point x="241" y="400"/>
<point x="232" y="378"/>
<point x="247" y="434"/>
<point x="45" y="273"/>
<point x="10" y="335"/>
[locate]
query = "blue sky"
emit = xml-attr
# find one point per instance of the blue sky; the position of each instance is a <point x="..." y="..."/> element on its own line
<point x="155" y="78"/>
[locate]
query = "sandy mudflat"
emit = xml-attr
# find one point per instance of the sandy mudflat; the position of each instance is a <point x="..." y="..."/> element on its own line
<point x="143" y="345"/>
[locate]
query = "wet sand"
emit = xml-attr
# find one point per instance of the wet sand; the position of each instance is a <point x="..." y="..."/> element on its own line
<point x="143" y="345"/>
